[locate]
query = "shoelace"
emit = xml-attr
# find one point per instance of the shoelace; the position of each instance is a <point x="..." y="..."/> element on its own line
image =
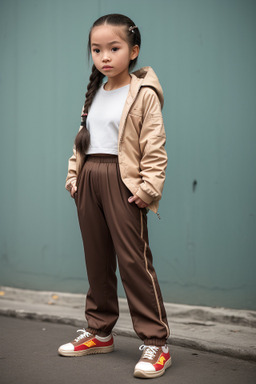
<point x="83" y="334"/>
<point x="149" y="351"/>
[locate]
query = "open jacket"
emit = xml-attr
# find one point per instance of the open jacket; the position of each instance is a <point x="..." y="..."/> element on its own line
<point x="141" y="154"/>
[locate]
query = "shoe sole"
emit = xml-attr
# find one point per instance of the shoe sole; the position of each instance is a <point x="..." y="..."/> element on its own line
<point x="89" y="351"/>
<point x="150" y="375"/>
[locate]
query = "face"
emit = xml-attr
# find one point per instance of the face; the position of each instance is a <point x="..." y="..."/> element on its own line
<point x="111" y="53"/>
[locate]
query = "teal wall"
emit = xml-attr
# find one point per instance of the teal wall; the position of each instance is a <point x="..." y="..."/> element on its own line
<point x="204" y="53"/>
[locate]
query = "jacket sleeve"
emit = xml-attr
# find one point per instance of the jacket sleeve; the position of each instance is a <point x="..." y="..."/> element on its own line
<point x="152" y="145"/>
<point x="72" y="166"/>
<point x="72" y="175"/>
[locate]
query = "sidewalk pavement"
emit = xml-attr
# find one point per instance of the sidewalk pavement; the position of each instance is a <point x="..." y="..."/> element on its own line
<point x="224" y="331"/>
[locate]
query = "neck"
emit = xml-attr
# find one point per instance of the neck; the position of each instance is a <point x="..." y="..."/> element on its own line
<point x="118" y="81"/>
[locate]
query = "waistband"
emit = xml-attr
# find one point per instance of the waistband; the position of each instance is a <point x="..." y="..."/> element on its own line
<point x="102" y="158"/>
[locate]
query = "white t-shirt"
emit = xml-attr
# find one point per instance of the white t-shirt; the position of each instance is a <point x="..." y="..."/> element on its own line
<point x="104" y="118"/>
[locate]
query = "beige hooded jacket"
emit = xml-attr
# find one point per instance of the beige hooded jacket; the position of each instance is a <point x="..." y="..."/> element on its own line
<point x="141" y="154"/>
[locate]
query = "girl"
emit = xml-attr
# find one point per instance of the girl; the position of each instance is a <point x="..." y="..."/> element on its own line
<point x="115" y="175"/>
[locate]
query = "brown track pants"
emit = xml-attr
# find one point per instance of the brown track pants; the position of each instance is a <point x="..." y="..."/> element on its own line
<point x="111" y="226"/>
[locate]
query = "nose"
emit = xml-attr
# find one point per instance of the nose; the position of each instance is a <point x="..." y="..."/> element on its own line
<point x="105" y="57"/>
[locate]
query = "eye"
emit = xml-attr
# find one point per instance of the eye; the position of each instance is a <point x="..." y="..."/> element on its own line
<point x="115" y="49"/>
<point x="96" y="50"/>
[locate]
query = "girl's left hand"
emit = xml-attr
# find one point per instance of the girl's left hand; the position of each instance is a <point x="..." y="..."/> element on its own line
<point x="137" y="200"/>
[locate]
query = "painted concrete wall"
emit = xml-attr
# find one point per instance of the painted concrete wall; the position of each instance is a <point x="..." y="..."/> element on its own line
<point x="204" y="53"/>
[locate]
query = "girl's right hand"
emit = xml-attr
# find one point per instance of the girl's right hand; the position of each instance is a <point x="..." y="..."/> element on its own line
<point x="73" y="190"/>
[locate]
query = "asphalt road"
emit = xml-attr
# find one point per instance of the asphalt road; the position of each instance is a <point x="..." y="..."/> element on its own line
<point x="28" y="354"/>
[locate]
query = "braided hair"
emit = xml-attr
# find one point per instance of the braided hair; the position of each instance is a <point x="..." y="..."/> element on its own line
<point x="133" y="38"/>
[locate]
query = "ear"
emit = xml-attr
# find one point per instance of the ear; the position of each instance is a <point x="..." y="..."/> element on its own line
<point x="134" y="52"/>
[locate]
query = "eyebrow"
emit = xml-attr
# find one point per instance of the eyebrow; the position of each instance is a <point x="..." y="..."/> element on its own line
<point x="111" y="43"/>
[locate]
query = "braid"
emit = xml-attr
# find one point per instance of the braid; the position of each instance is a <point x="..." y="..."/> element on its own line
<point x="82" y="139"/>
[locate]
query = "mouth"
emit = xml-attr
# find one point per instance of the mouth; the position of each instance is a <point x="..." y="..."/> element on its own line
<point x="107" y="67"/>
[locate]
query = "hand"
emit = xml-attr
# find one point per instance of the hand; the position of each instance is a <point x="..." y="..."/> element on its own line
<point x="137" y="200"/>
<point x="73" y="190"/>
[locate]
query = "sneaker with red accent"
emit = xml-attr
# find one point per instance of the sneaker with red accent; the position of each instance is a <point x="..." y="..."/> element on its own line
<point x="87" y="344"/>
<point x="153" y="362"/>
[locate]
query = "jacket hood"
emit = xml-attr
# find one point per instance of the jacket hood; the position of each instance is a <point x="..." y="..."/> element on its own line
<point x="146" y="77"/>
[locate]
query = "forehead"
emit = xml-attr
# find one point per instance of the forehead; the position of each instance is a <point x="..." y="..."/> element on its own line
<point x="104" y="34"/>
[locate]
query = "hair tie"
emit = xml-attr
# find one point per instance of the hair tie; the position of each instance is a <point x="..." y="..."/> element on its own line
<point x="83" y="119"/>
<point x="131" y="28"/>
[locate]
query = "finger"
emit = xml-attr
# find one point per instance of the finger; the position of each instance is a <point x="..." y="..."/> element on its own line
<point x="132" y="199"/>
<point x="141" y="204"/>
<point x="73" y="191"/>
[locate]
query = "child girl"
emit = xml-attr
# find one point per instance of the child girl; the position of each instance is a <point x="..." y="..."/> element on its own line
<point x="115" y="175"/>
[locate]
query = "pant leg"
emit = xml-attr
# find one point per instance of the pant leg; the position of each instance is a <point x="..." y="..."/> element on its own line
<point x="128" y="227"/>
<point x="101" y="302"/>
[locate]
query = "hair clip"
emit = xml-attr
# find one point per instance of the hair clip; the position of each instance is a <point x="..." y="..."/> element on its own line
<point x="84" y="115"/>
<point x="131" y="28"/>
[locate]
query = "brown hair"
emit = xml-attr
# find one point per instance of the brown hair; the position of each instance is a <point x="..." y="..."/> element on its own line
<point x="82" y="139"/>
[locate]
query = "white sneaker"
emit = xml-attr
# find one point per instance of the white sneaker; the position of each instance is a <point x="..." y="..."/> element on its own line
<point x="87" y="344"/>
<point x="153" y="362"/>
